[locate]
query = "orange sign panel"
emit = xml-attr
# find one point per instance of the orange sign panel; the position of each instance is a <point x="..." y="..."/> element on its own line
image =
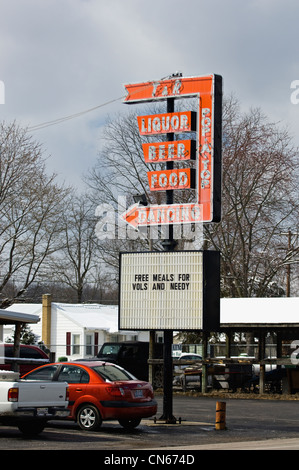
<point x="163" y="214"/>
<point x="178" y="178"/>
<point x="172" y="88"/>
<point x="208" y="90"/>
<point x="159" y="152"/>
<point x="168" y="122"/>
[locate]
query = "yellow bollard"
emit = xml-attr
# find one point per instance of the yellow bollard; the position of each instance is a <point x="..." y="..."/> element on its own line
<point x="220" y="415"/>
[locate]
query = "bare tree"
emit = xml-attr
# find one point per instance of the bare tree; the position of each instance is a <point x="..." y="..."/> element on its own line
<point x="259" y="194"/>
<point x="120" y="173"/>
<point x="30" y="204"/>
<point x="77" y="264"/>
<point x="259" y="199"/>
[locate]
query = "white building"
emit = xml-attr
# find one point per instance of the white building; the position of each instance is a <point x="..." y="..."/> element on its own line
<point x="74" y="330"/>
<point x="79" y="330"/>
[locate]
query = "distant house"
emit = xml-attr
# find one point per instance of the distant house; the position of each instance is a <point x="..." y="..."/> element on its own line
<point x="74" y="330"/>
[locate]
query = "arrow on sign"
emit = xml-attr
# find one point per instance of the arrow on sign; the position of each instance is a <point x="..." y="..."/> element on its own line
<point x="162" y="214"/>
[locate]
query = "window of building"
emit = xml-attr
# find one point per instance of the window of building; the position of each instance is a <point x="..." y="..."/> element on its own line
<point x="89" y="345"/>
<point x="76" y="344"/>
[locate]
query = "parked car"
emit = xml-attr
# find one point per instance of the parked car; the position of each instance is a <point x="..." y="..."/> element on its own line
<point x="29" y="405"/>
<point x="133" y="356"/>
<point x="30" y="357"/>
<point x="101" y="391"/>
<point x="189" y="357"/>
<point x="187" y="372"/>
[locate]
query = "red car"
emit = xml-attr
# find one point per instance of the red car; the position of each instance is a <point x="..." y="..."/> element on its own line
<point x="100" y="391"/>
<point x="30" y="357"/>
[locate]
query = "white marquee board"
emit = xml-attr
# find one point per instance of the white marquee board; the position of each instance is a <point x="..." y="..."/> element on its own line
<point x="169" y="290"/>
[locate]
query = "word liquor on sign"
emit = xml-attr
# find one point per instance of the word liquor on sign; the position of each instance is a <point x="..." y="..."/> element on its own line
<point x="165" y="123"/>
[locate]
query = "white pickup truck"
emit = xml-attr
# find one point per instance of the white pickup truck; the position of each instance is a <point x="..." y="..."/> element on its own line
<point x="30" y="404"/>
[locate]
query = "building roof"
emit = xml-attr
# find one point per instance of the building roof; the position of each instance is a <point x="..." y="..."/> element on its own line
<point x="8" y="317"/>
<point x="91" y="316"/>
<point x="256" y="311"/>
<point x="237" y="312"/>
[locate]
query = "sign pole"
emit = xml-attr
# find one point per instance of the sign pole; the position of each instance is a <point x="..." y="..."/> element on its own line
<point x="206" y="178"/>
<point x="168" y="245"/>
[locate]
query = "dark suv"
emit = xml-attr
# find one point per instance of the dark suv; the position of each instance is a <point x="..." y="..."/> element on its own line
<point x="133" y="356"/>
<point x="30" y="357"/>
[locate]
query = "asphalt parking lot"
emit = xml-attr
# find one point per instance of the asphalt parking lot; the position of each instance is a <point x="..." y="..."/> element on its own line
<point x="246" y="420"/>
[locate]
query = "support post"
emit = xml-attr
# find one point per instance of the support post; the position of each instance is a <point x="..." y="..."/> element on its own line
<point x="168" y="245"/>
<point x="151" y="356"/>
<point x="16" y="346"/>
<point x="261" y="356"/>
<point x="46" y="319"/>
<point x="204" y="373"/>
<point x="220" y="422"/>
<point x="167" y="379"/>
<point x="228" y="344"/>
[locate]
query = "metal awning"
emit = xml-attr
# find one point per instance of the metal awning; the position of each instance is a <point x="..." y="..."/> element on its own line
<point x="8" y="317"/>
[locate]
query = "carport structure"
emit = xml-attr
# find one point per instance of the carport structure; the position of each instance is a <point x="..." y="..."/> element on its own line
<point x="18" y="319"/>
<point x="259" y="316"/>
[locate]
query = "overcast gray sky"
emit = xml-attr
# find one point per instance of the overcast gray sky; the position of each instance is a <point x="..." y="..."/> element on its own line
<point x="62" y="57"/>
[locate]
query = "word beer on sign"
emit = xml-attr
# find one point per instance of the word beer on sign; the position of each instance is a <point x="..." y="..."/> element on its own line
<point x="168" y="122"/>
<point x="183" y="178"/>
<point x="159" y="152"/>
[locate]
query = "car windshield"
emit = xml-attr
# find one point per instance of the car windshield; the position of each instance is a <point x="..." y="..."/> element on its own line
<point x="110" y="349"/>
<point x="111" y="373"/>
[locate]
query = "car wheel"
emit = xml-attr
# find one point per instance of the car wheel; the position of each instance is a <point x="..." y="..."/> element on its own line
<point x="129" y="423"/>
<point x="89" y="418"/>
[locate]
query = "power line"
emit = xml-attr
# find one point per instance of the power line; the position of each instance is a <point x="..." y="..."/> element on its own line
<point x="72" y="116"/>
<point x="81" y="113"/>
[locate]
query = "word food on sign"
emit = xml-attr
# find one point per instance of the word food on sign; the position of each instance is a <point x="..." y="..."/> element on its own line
<point x="168" y="122"/>
<point x="179" y="178"/>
